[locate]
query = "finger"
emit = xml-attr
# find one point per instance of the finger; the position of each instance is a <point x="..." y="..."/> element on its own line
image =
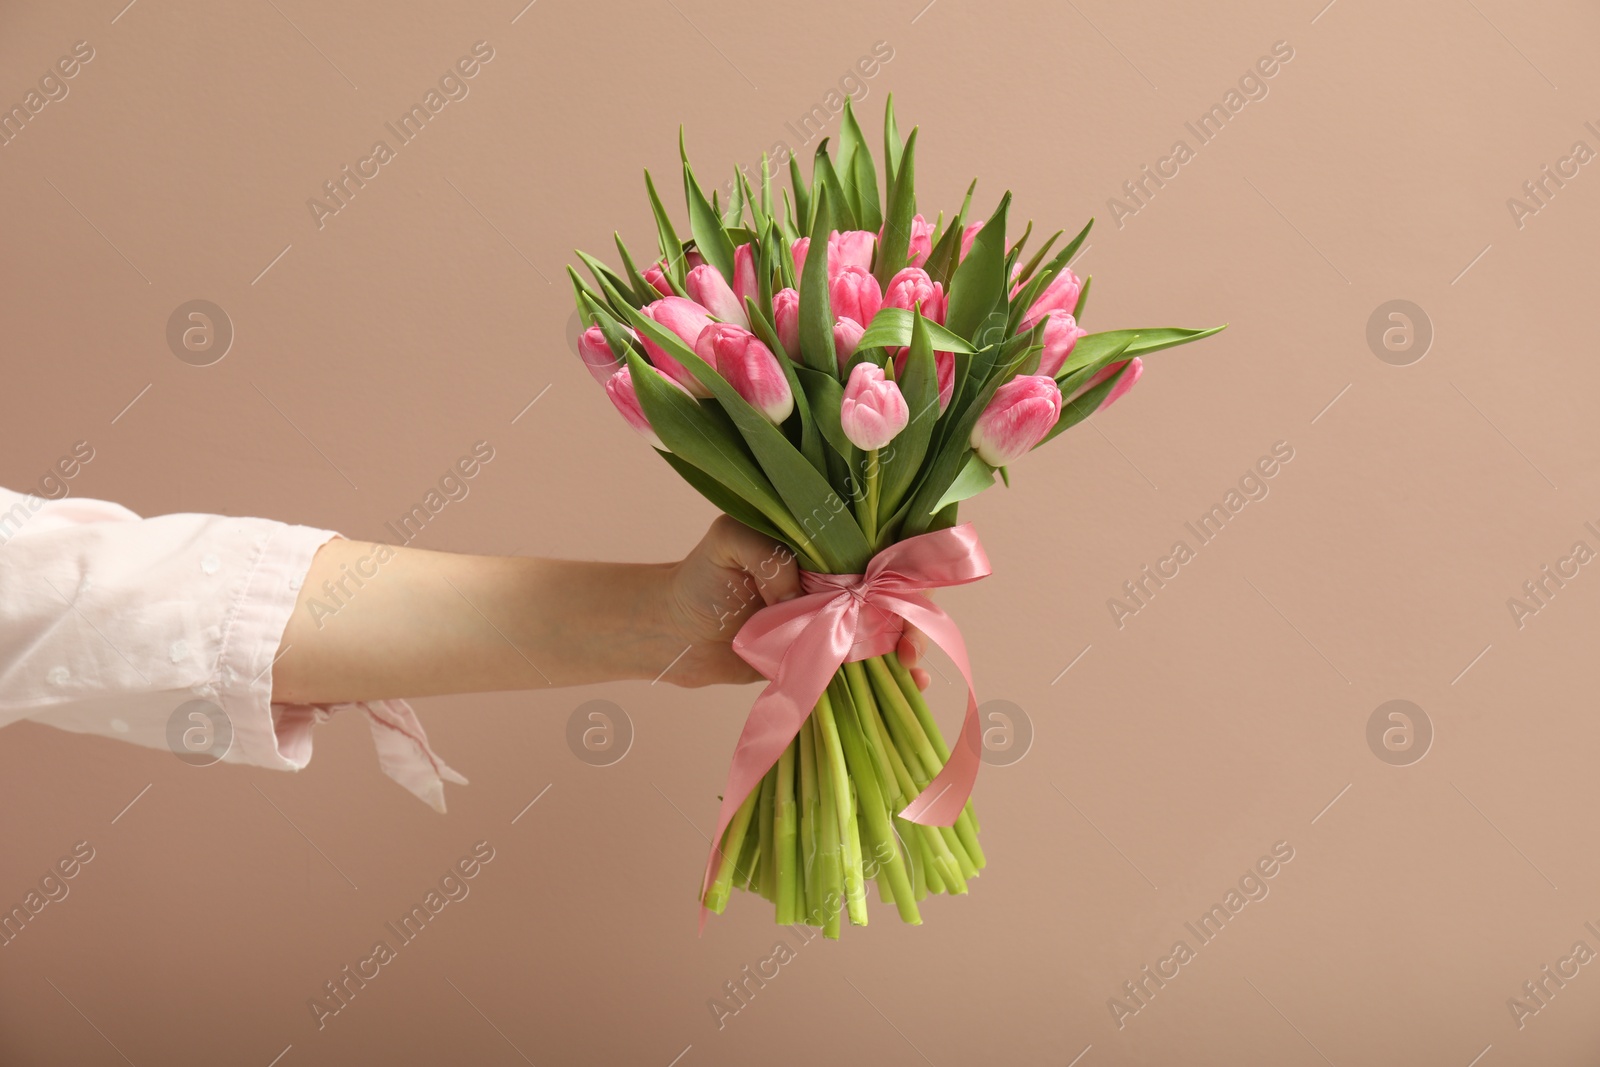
<point x="770" y="564"/>
<point x="913" y="642"/>
<point x="921" y="677"/>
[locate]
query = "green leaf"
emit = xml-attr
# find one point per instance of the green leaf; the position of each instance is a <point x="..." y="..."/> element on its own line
<point x="892" y="148"/>
<point x="891" y="328"/>
<point x="709" y="236"/>
<point x="974" y="478"/>
<point x="671" y="247"/>
<point x="723" y="498"/>
<point x="766" y="187"/>
<point x="893" y="249"/>
<point x="581" y="288"/>
<point x="1038" y="257"/>
<point x="837" y="542"/>
<point x="641" y="289"/>
<point x="790" y="230"/>
<point x="816" y="308"/>
<point x="1016" y="250"/>
<point x="825" y="396"/>
<point x="869" y="214"/>
<point x="946" y="253"/>
<point x="1138" y="343"/>
<point x="733" y="216"/>
<point x="1083" y="299"/>
<point x="850" y="142"/>
<point x="693" y="433"/>
<point x="603" y="274"/>
<point x="769" y="252"/>
<point x="801" y="221"/>
<point x="857" y="170"/>
<point x="979" y="283"/>
<point x="823" y="176"/>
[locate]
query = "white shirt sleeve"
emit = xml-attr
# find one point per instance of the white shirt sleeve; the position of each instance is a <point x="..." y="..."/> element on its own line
<point x="163" y="632"/>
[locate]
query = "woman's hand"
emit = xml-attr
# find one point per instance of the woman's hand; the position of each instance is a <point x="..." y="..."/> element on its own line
<point x="730" y="575"/>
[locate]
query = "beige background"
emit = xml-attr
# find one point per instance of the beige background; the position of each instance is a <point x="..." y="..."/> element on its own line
<point x="1223" y="718"/>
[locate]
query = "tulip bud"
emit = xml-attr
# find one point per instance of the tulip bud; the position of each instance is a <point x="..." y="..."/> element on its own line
<point x="1060" y="294"/>
<point x="707" y="287"/>
<point x="846" y="337"/>
<point x="921" y="241"/>
<point x="1061" y="333"/>
<point x="656" y="278"/>
<point x="1122" y="387"/>
<point x="798" y="250"/>
<point x="686" y="319"/>
<point x="745" y="283"/>
<point x="854" y="294"/>
<point x="750" y="368"/>
<point x="786" y="317"/>
<point x="912" y="287"/>
<point x="1022" y="411"/>
<point x="850" y="248"/>
<point x="873" y="411"/>
<point x="619" y="387"/>
<point x="598" y="358"/>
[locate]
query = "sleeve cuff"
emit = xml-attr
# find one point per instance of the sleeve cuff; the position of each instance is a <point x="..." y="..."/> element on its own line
<point x="279" y="735"/>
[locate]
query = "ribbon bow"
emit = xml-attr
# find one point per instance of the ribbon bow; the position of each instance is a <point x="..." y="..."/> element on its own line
<point x="799" y="644"/>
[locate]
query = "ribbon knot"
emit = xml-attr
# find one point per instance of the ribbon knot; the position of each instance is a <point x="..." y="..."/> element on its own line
<point x="799" y="644"/>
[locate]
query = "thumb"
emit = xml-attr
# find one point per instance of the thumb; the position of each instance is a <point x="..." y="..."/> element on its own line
<point x="770" y="564"/>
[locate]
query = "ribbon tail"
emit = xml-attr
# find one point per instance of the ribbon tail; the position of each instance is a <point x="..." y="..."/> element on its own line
<point x="945" y="798"/>
<point x="942" y="802"/>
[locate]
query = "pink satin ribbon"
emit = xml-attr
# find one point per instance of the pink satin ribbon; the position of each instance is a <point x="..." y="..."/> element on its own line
<point x="799" y="644"/>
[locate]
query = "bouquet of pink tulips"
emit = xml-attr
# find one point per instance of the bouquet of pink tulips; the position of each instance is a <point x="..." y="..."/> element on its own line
<point x="839" y="373"/>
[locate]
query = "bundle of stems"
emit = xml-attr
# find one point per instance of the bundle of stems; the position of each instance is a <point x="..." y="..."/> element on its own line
<point x="823" y="821"/>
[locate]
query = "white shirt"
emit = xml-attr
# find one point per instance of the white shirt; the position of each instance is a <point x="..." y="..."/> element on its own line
<point x="163" y="632"/>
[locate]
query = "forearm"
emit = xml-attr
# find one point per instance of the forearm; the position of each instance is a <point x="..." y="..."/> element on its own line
<point x="379" y="622"/>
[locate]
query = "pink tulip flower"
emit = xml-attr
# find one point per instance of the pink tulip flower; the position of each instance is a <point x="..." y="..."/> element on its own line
<point x="921" y="241"/>
<point x="855" y="294"/>
<point x="873" y="410"/>
<point x="846" y="337"/>
<point x="598" y="358"/>
<point x="1061" y="294"/>
<point x="798" y="250"/>
<point x="686" y="319"/>
<point x="1121" y="388"/>
<point x="620" y="388"/>
<point x="1061" y="333"/>
<point x="749" y="366"/>
<point x="1022" y="412"/>
<point x="850" y="248"/>
<point x="745" y="282"/>
<point x="786" y="317"/>
<point x="656" y="278"/>
<point x="911" y="287"/>
<point x="707" y="287"/>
